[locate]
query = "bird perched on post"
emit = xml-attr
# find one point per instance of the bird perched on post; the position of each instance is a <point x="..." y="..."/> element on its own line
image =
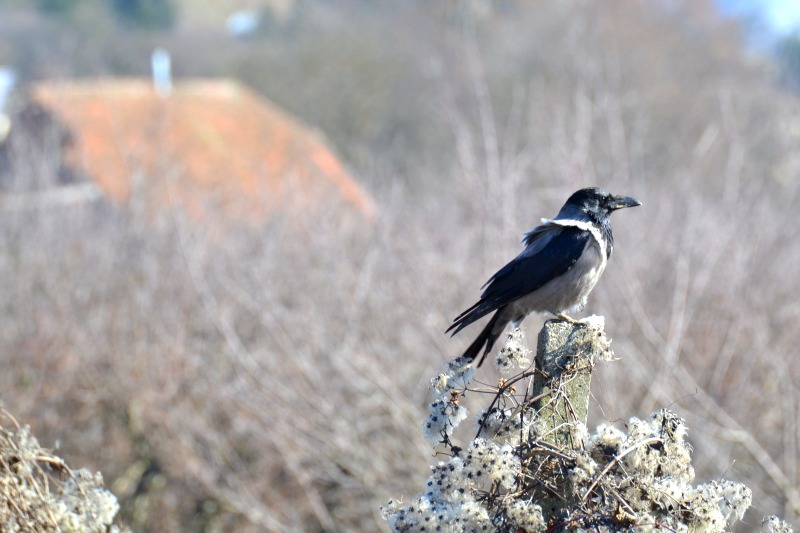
<point x="560" y="265"/>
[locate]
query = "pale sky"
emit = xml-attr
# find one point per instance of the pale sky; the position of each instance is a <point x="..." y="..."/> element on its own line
<point x="779" y="16"/>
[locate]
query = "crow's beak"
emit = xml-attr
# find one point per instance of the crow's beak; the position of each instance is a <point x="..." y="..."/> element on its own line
<point x="619" y="202"/>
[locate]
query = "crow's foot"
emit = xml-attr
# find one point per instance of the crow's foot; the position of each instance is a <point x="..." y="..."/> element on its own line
<point x="565" y="318"/>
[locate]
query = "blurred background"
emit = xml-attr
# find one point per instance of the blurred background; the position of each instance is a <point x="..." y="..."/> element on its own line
<point x="233" y="232"/>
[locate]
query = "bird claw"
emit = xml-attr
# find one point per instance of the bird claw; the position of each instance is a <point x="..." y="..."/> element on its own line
<point x="564" y="318"/>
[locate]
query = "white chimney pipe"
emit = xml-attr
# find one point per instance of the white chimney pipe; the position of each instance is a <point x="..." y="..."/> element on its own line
<point x="162" y="75"/>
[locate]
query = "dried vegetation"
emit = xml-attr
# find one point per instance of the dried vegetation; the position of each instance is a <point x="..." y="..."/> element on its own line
<point x="274" y="378"/>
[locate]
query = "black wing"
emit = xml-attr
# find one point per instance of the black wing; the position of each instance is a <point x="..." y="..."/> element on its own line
<point x="551" y="250"/>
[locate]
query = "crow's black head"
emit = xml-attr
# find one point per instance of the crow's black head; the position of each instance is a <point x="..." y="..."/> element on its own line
<point x="595" y="203"/>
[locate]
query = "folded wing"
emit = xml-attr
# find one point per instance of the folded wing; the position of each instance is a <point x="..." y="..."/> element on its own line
<point x="551" y="250"/>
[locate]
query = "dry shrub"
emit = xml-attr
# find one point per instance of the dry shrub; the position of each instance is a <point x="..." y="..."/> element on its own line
<point x="39" y="492"/>
<point x="274" y="377"/>
<point x="532" y="465"/>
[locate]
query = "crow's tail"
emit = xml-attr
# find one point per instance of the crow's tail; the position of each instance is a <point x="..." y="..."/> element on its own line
<point x="487" y="337"/>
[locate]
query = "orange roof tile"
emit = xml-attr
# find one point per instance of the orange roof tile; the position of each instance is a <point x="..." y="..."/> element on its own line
<point x="207" y="143"/>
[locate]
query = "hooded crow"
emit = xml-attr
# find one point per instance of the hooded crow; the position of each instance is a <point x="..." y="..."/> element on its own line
<point x="560" y="265"/>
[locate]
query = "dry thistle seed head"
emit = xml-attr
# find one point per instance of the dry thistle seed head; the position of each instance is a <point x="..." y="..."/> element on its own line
<point x="773" y="524"/>
<point x="458" y="375"/>
<point x="513" y="356"/>
<point x="526" y="516"/>
<point x="454" y="396"/>
<point x="501" y="386"/>
<point x="443" y="417"/>
<point x="623" y="518"/>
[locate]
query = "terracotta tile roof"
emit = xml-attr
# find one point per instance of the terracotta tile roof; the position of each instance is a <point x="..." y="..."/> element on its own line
<point x="208" y="143"/>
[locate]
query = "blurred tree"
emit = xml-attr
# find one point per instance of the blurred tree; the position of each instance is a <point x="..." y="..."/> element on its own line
<point x="149" y="14"/>
<point x="788" y="56"/>
<point x="56" y="7"/>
